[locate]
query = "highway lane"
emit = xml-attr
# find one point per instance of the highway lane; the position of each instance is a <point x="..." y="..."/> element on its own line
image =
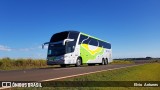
<point x="48" y="74"/>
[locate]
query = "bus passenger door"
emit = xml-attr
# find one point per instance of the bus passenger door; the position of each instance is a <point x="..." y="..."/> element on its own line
<point x="71" y="50"/>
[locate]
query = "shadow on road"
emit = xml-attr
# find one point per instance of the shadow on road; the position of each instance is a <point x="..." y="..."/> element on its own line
<point x="57" y="66"/>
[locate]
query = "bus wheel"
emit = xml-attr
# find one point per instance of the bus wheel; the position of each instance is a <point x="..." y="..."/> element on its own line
<point x="63" y="65"/>
<point x="106" y="61"/>
<point x="78" y="62"/>
<point x="103" y="62"/>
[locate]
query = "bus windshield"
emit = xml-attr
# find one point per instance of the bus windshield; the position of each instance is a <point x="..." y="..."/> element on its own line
<point x="56" y="50"/>
<point x="59" y="36"/>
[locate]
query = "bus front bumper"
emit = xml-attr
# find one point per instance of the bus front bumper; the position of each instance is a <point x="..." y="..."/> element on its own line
<point x="55" y="62"/>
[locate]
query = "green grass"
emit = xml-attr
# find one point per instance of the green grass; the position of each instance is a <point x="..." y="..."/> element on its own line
<point x="122" y="62"/>
<point x="146" y="72"/>
<point x="18" y="64"/>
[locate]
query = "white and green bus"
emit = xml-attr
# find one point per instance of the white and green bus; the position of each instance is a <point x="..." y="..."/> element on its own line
<point x="73" y="47"/>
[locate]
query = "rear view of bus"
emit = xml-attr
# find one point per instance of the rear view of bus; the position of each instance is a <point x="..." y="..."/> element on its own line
<point x="73" y="47"/>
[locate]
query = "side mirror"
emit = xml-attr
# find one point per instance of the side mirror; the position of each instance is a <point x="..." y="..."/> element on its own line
<point x="44" y="44"/>
<point x="67" y="40"/>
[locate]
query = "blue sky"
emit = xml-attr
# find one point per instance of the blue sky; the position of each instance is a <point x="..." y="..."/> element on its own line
<point x="131" y="26"/>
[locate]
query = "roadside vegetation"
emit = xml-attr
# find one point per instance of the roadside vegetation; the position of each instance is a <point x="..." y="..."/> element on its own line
<point x="122" y="62"/>
<point x="17" y="64"/>
<point x="146" y="72"/>
<point x="20" y="64"/>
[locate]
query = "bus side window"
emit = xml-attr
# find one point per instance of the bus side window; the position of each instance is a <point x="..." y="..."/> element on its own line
<point x="82" y="37"/>
<point x="93" y="42"/>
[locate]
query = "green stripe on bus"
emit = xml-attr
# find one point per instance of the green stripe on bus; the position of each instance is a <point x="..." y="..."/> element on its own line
<point x="92" y="37"/>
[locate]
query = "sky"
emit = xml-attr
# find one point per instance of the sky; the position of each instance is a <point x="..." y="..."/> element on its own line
<point x="131" y="26"/>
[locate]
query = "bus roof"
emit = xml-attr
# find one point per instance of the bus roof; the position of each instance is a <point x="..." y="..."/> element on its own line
<point x="84" y="34"/>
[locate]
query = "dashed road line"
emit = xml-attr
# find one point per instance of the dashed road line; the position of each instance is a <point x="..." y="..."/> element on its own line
<point x="85" y="73"/>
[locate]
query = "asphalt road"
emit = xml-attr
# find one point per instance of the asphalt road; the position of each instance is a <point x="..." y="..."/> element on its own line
<point x="48" y="74"/>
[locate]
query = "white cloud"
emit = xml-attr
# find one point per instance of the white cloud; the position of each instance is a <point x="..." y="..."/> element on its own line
<point x="4" y="48"/>
<point x="25" y="49"/>
<point x="32" y="48"/>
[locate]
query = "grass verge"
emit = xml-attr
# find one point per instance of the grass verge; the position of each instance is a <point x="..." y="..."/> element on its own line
<point x="122" y="62"/>
<point x="146" y="72"/>
<point x="18" y="64"/>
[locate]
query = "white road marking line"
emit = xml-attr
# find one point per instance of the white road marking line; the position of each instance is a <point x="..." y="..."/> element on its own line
<point x="85" y="73"/>
<point x="79" y="75"/>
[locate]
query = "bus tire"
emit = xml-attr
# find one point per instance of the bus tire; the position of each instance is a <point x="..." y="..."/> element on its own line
<point x="78" y="62"/>
<point x="106" y="61"/>
<point x="103" y="62"/>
